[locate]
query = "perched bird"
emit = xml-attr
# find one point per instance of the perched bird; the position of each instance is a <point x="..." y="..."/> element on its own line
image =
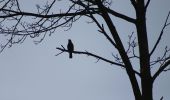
<point x="70" y="48"/>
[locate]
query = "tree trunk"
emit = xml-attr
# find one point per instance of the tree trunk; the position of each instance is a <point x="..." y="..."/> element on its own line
<point x="146" y="78"/>
<point x="147" y="90"/>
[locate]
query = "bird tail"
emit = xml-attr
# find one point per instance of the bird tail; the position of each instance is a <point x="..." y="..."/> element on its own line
<point x="70" y="55"/>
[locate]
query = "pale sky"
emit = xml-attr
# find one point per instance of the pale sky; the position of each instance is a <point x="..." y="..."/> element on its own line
<point x="33" y="72"/>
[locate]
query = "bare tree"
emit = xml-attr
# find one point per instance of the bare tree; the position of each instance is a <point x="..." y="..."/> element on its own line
<point x="44" y="21"/>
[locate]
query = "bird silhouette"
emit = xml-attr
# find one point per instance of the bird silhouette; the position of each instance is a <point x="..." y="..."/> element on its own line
<point x="70" y="48"/>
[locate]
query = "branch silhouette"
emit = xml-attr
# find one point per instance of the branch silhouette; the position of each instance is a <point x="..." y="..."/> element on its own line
<point x="15" y="27"/>
<point x="16" y="13"/>
<point x="161" y="69"/>
<point x="119" y="15"/>
<point x="95" y="56"/>
<point x="102" y="30"/>
<point x="90" y="54"/>
<point x="161" y="34"/>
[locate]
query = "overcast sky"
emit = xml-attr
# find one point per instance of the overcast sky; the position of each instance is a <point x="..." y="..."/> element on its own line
<point x="33" y="72"/>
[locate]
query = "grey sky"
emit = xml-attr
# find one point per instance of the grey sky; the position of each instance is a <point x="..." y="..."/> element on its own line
<point x="33" y="72"/>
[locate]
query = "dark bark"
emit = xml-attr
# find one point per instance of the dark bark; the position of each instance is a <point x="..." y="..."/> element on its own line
<point x="146" y="79"/>
<point x="121" y="50"/>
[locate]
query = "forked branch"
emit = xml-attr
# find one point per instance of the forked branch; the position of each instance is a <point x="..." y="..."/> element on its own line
<point x="161" y="69"/>
<point x="147" y="4"/>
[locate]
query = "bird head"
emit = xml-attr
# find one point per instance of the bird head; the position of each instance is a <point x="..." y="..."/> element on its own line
<point x="69" y="40"/>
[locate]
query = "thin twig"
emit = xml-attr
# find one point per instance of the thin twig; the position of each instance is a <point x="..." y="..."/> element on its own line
<point x="161" y="34"/>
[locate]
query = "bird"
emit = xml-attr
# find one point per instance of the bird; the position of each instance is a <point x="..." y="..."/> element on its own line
<point x="70" y="48"/>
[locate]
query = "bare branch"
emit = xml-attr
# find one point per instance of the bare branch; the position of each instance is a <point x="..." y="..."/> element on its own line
<point x="120" y="15"/>
<point x="102" y="30"/>
<point x="147" y="4"/>
<point x="5" y="4"/>
<point x="133" y="2"/>
<point x="93" y="55"/>
<point x="10" y="41"/>
<point x="161" y="69"/>
<point x="161" y="34"/>
<point x="16" y="13"/>
<point x="122" y="52"/>
<point x="18" y="5"/>
<point x="162" y="59"/>
<point x="131" y="45"/>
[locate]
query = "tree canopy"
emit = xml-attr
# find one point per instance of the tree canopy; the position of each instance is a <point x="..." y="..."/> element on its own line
<point x="17" y="24"/>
